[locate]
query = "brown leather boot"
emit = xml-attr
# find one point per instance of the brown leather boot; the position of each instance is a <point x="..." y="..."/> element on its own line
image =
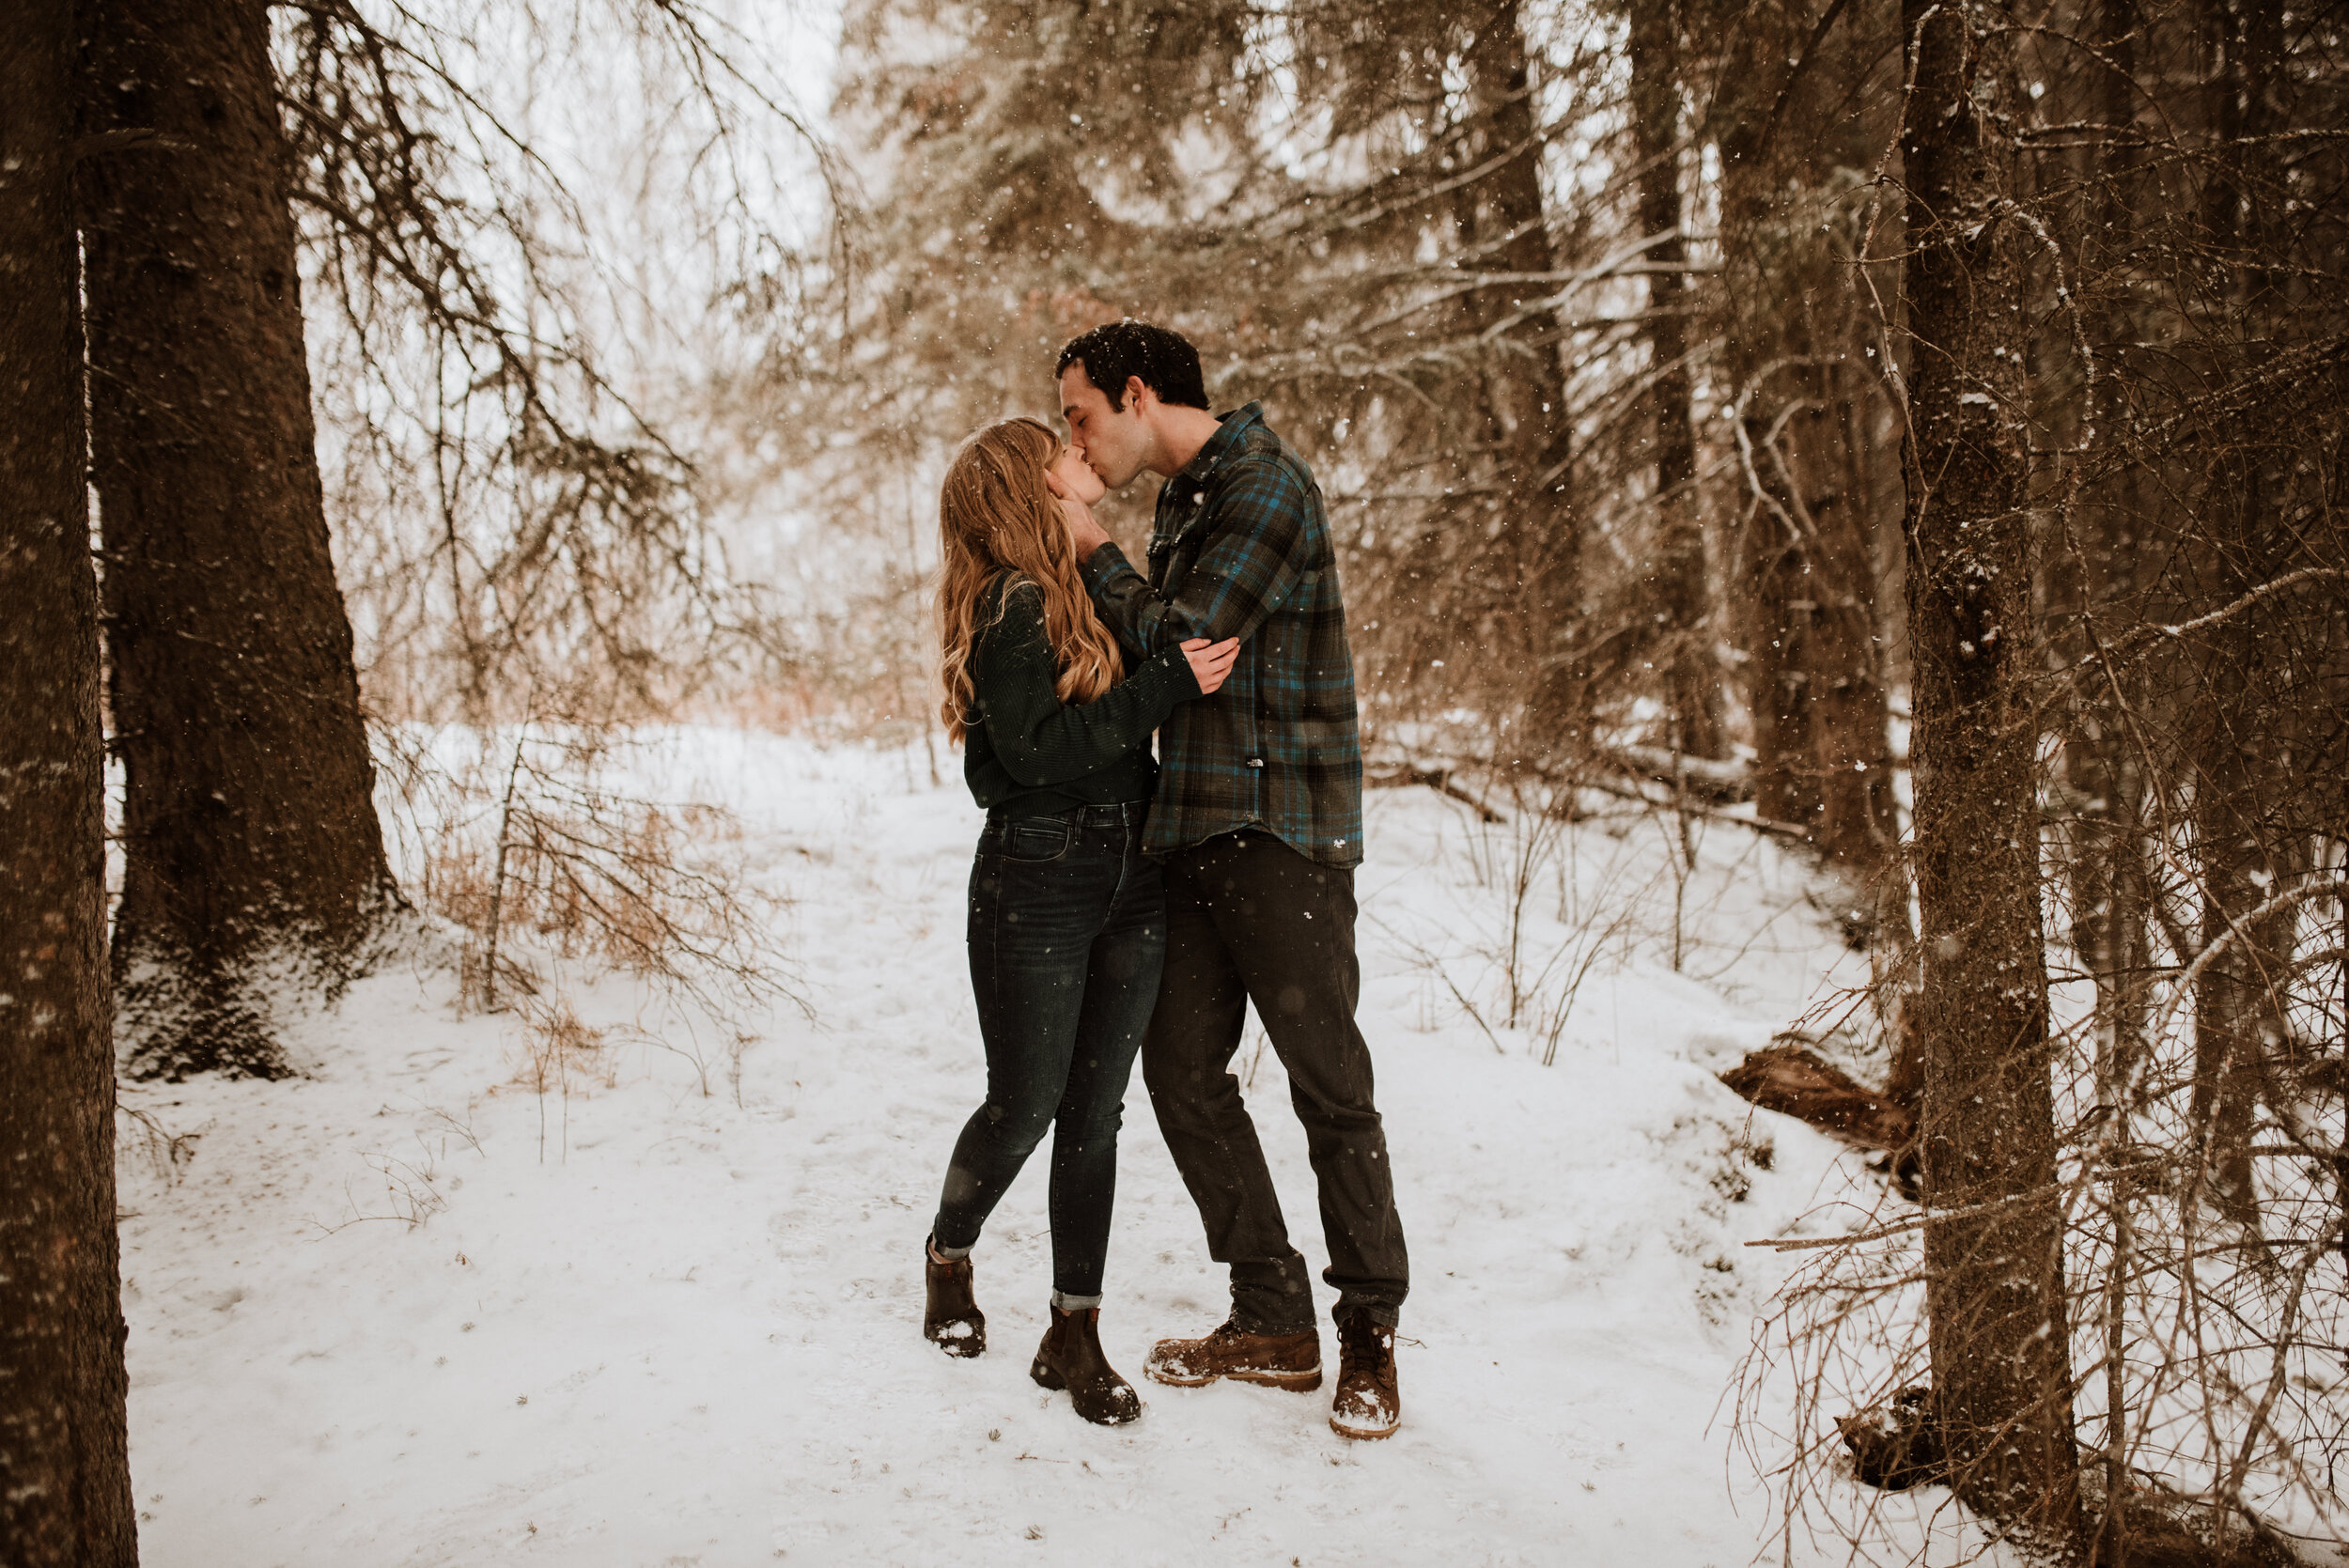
<point x="1276" y="1360"/>
<point x="951" y="1320"/>
<point x="1367" y="1404"/>
<point x="1070" y="1357"/>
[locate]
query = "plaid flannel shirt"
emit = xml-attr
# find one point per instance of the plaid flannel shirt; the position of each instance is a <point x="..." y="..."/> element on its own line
<point x="1240" y="548"/>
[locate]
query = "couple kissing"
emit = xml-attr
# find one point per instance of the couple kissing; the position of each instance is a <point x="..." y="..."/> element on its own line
<point x="1123" y="904"/>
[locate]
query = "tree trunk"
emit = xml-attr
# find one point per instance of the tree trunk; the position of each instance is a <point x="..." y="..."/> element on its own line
<point x="1823" y="751"/>
<point x="1539" y="541"/>
<point x="2240" y="737"/>
<point x="1850" y="742"/>
<point x="2108" y="872"/>
<point x="1676" y="583"/>
<point x="1993" y="1292"/>
<point x="65" y="1473"/>
<point x="1771" y="558"/>
<point x="1805" y="567"/>
<point x="252" y="853"/>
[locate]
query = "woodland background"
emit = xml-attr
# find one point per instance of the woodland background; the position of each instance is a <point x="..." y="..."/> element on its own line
<point x="1913" y="431"/>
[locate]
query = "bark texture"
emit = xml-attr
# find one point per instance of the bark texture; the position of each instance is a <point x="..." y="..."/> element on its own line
<point x="1806" y="560"/>
<point x="2242" y="756"/>
<point x="2103" y="762"/>
<point x="1676" y="581"/>
<point x="64" y="1475"/>
<point x="1994" y="1294"/>
<point x="1536" y="536"/>
<point x="253" y="854"/>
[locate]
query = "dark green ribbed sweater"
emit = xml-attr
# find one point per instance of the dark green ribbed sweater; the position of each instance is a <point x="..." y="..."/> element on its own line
<point x="1026" y="753"/>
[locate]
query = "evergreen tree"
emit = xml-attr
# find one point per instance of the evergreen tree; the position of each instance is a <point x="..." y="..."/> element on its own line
<point x="1678" y="582"/>
<point x="1354" y="212"/>
<point x="65" y="1473"/>
<point x="1809" y="421"/>
<point x="1994" y="1302"/>
<point x="252" y="857"/>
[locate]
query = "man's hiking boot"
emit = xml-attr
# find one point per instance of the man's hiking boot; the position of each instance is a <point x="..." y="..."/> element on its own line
<point x="1276" y="1360"/>
<point x="1070" y="1357"/>
<point x="1367" y="1404"/>
<point x="952" y="1319"/>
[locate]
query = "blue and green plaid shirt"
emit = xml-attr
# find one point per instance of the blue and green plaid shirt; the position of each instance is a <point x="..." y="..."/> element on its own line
<point x="1240" y="548"/>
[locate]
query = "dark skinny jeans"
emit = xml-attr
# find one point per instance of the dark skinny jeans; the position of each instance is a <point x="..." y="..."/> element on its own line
<point x="1067" y="931"/>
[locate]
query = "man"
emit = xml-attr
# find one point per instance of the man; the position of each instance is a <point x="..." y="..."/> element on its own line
<point x="1258" y="816"/>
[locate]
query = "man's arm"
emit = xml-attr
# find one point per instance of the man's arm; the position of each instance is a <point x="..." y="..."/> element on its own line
<point x="1257" y="545"/>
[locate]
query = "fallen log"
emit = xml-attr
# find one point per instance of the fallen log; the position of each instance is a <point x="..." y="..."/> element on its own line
<point x="1792" y="1082"/>
<point x="1725" y="783"/>
<point x="1711" y="814"/>
<point x="1409" y="775"/>
<point x="1406" y="775"/>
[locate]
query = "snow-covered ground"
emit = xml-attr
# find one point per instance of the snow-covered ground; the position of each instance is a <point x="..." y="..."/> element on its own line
<point x="405" y="1309"/>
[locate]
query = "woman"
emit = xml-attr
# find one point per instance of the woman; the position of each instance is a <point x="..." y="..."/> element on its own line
<point x="1066" y="923"/>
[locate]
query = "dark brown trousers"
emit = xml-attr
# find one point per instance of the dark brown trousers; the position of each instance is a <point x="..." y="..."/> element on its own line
<point x="1249" y="919"/>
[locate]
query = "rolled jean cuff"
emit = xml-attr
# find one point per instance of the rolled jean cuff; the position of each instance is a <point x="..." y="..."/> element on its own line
<point x="1254" y="1323"/>
<point x="952" y="1254"/>
<point x="1069" y="1303"/>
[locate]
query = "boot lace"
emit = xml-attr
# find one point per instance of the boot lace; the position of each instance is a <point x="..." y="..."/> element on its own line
<point x="1361" y="1340"/>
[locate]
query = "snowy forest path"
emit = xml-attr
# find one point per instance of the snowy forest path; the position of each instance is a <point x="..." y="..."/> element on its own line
<point x="639" y="1324"/>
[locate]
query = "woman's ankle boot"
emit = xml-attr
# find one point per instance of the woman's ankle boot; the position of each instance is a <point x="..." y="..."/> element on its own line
<point x="1070" y="1357"/>
<point x="952" y="1319"/>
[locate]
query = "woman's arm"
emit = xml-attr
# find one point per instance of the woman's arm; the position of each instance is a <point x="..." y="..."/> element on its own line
<point x="1041" y="740"/>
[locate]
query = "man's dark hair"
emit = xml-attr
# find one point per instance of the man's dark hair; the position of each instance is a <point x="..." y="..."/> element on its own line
<point x="1163" y="358"/>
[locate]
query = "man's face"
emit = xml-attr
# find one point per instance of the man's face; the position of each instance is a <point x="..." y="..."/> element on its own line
<point x="1115" y="441"/>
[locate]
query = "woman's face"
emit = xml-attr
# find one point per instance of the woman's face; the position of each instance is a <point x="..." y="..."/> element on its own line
<point x="1078" y="476"/>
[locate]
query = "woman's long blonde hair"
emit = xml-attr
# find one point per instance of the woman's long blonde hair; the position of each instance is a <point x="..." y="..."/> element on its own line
<point x="995" y="514"/>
